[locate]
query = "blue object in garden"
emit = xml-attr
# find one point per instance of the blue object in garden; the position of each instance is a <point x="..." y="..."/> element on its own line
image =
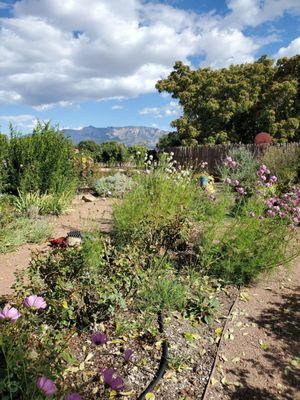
<point x="203" y="181"/>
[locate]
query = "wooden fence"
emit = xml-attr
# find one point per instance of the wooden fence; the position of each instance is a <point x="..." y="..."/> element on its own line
<point x="214" y="155"/>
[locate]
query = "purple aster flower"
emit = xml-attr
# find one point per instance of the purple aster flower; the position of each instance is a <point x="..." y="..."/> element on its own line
<point x="35" y="301"/>
<point x="128" y="354"/>
<point x="99" y="338"/>
<point x="271" y="213"/>
<point x="115" y="383"/>
<point x="235" y="182"/>
<point x="9" y="313"/>
<point x="47" y="386"/>
<point x="228" y="181"/>
<point x="273" y="179"/>
<point x="73" y="396"/>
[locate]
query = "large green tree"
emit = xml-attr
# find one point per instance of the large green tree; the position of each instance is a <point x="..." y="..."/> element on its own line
<point x="234" y="104"/>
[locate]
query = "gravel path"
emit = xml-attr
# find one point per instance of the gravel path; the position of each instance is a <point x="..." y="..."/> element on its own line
<point x="259" y="357"/>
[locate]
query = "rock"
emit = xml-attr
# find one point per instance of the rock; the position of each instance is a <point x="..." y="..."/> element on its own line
<point x="89" y="198"/>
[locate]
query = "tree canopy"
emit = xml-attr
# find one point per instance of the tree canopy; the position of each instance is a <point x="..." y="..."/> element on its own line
<point x="234" y="104"/>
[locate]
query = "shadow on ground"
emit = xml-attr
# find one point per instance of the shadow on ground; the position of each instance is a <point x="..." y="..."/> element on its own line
<point x="281" y="321"/>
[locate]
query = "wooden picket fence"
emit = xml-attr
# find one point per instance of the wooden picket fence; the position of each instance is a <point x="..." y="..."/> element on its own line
<point x="214" y="155"/>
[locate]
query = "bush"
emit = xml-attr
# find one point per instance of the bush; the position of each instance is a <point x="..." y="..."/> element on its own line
<point x="113" y="153"/>
<point x="81" y="285"/>
<point x="244" y="171"/>
<point x="284" y="162"/>
<point x="41" y="162"/>
<point x="113" y="186"/>
<point x="244" y="246"/>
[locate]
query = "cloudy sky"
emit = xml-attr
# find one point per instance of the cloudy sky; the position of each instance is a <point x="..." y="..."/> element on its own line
<point x="96" y="62"/>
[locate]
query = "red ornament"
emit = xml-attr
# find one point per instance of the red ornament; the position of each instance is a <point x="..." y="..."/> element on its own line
<point x="263" y="138"/>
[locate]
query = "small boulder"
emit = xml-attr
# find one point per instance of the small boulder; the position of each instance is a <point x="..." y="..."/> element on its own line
<point x="89" y="198"/>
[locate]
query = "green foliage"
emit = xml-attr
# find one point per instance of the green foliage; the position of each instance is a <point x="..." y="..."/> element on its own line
<point x="244" y="246"/>
<point x="244" y="172"/>
<point x="234" y="104"/>
<point x="81" y="285"/>
<point x="3" y="158"/>
<point x="113" y="153"/>
<point x="40" y="162"/>
<point x="154" y="214"/>
<point x="161" y="291"/>
<point x="40" y="204"/>
<point x="137" y="153"/>
<point x="283" y="163"/>
<point x="28" y="349"/>
<point x="21" y="231"/>
<point x="113" y="186"/>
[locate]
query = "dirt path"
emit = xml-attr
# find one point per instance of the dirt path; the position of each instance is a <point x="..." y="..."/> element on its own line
<point x="259" y="357"/>
<point x="82" y="216"/>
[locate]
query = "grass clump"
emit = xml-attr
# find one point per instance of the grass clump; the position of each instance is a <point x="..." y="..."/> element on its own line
<point x="23" y="230"/>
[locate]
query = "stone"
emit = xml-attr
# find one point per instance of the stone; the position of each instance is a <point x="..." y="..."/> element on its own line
<point x="89" y="198"/>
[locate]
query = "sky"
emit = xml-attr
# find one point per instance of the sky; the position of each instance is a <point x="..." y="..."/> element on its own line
<point x="96" y="62"/>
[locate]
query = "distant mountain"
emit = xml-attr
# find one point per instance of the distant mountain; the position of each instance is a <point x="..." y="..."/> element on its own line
<point x="128" y="135"/>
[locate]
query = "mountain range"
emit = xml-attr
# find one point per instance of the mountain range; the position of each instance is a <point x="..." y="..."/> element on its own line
<point x="129" y="135"/>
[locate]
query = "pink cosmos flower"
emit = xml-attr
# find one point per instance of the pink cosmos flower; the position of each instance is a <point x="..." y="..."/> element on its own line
<point x="115" y="383"/>
<point x="73" y="396"/>
<point x="35" y="301"/>
<point x="99" y="338"/>
<point x="9" y="313"/>
<point x="47" y="386"/>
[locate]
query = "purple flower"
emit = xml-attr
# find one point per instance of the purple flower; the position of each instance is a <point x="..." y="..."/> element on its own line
<point x="99" y="338"/>
<point x="273" y="179"/>
<point x="235" y="182"/>
<point x="35" y="301"/>
<point x="73" y="396"/>
<point x="127" y="354"/>
<point x="9" y="313"/>
<point x="46" y="385"/>
<point x="115" y="383"/>
<point x="241" y="190"/>
<point x="228" y="181"/>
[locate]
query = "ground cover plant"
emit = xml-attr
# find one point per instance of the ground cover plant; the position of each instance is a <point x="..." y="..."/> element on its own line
<point x="176" y="249"/>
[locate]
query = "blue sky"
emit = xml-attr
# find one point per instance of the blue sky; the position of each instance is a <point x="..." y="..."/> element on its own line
<point x="95" y="62"/>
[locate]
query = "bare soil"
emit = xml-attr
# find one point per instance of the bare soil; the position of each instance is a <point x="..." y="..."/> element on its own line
<point x="259" y="357"/>
<point x="82" y="216"/>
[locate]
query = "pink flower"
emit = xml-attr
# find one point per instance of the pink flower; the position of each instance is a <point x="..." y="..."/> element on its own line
<point x="73" y="396"/>
<point x="99" y="338"/>
<point x="35" y="301"/>
<point x="241" y="190"/>
<point x="228" y="181"/>
<point x="46" y="385"/>
<point x="115" y="383"/>
<point x="9" y="313"/>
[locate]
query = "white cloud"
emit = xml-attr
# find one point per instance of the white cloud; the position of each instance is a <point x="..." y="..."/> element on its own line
<point x="291" y="50"/>
<point x="22" y="120"/>
<point x="171" y="109"/>
<point x="117" y="107"/>
<point x="57" y="52"/>
<point x="255" y="12"/>
<point x="4" y="6"/>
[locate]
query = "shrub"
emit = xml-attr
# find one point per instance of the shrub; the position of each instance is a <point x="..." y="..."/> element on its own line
<point x="137" y="153"/>
<point x="113" y="186"/>
<point x="240" y="166"/>
<point x="284" y="162"/>
<point x="113" y="153"/>
<point x="41" y="162"/>
<point x="81" y="285"/>
<point x="244" y="246"/>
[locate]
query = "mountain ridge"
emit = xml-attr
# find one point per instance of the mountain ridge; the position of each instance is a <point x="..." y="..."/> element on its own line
<point x="129" y="135"/>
